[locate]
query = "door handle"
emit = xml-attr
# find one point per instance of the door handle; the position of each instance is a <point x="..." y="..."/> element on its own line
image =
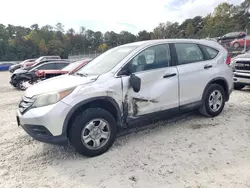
<point x="208" y="66"/>
<point x="169" y="75"/>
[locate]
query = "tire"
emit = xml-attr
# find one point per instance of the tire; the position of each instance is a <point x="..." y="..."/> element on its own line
<point x="20" y="85"/>
<point x="236" y="45"/>
<point x="213" y="110"/>
<point x="81" y="128"/>
<point x="239" y="86"/>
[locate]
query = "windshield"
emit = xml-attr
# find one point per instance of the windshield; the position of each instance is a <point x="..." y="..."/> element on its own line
<point x="39" y="59"/>
<point x="72" y="66"/>
<point x="106" y="61"/>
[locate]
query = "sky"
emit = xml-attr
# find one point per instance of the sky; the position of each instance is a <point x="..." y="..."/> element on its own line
<point x="104" y="15"/>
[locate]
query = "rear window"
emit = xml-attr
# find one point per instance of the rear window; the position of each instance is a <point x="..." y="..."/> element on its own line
<point x="188" y="53"/>
<point x="210" y="52"/>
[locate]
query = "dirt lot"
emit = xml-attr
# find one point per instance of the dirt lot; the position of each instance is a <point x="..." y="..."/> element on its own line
<point x="191" y="152"/>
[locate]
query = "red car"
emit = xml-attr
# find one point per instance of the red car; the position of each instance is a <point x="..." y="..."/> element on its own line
<point x="71" y="68"/>
<point x="239" y="43"/>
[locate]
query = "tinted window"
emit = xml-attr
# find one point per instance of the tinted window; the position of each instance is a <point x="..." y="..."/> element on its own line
<point x="188" y="53"/>
<point x="152" y="58"/>
<point x="211" y="52"/>
<point x="61" y="65"/>
<point x="47" y="66"/>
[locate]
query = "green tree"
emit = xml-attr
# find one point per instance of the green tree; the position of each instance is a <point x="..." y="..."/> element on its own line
<point x="42" y="47"/>
<point x="190" y="30"/>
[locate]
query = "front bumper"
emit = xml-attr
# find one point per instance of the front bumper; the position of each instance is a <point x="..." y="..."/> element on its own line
<point x="45" y="124"/>
<point x="13" y="82"/>
<point x="241" y="78"/>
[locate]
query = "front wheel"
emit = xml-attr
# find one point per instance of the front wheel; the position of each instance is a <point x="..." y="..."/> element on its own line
<point x="236" y="45"/>
<point x="214" y="101"/>
<point x="21" y="84"/>
<point x="93" y="132"/>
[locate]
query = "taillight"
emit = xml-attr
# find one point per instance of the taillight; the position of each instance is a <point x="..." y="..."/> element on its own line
<point x="228" y="59"/>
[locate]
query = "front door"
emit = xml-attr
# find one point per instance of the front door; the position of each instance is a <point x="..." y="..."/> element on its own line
<point x="159" y="82"/>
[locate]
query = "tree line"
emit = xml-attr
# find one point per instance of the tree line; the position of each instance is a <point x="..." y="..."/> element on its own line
<point x="19" y="43"/>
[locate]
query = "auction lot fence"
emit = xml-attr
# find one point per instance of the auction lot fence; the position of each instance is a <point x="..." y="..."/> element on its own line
<point x="84" y="55"/>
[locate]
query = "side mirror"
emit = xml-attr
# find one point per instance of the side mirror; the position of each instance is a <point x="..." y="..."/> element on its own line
<point x="135" y="83"/>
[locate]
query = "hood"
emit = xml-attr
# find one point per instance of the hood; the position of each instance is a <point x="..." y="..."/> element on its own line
<point x="242" y="59"/>
<point x="20" y="71"/>
<point x="58" y="83"/>
<point x="15" y="65"/>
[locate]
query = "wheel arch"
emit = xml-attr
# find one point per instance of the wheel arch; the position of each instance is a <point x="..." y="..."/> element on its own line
<point x="105" y="102"/>
<point x="220" y="81"/>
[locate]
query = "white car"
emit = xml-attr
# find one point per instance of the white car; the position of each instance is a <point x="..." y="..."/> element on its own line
<point x="123" y="87"/>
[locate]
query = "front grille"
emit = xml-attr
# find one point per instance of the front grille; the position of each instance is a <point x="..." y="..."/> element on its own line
<point x="242" y="76"/>
<point x="242" y="65"/>
<point x="25" y="104"/>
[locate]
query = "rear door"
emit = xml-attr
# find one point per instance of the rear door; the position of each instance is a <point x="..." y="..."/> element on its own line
<point x="159" y="82"/>
<point x="195" y="68"/>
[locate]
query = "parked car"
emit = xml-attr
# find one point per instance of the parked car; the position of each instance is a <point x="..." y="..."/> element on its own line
<point x="41" y="62"/>
<point x="239" y="43"/>
<point x="71" y="68"/>
<point x="23" y="77"/>
<point x="20" y="65"/>
<point x="5" y="66"/>
<point x="125" y="86"/>
<point x="231" y="36"/>
<point x="241" y="67"/>
<point x="40" y="59"/>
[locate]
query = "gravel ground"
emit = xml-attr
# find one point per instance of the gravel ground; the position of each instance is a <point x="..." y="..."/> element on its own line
<point x="190" y="152"/>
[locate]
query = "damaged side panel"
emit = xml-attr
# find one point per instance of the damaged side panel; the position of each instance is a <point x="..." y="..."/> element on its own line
<point x="156" y="94"/>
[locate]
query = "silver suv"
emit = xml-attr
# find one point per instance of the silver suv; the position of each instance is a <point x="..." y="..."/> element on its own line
<point x="134" y="83"/>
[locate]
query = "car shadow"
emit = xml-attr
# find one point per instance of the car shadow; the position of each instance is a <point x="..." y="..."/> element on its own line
<point x="67" y="152"/>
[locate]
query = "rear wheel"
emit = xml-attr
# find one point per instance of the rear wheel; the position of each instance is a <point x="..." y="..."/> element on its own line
<point x="238" y="86"/>
<point x="214" y="101"/>
<point x="93" y="132"/>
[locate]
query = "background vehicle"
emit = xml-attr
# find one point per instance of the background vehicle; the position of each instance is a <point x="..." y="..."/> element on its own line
<point x="231" y="36"/>
<point x="5" y="66"/>
<point x="20" y="65"/>
<point x="241" y="66"/>
<point x="21" y="78"/>
<point x="39" y="63"/>
<point x="71" y="68"/>
<point x="135" y="83"/>
<point x="239" y="43"/>
<point x="40" y="59"/>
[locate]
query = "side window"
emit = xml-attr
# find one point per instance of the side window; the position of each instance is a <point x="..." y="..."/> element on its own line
<point x="188" y="53"/>
<point x="61" y="65"/>
<point x="47" y="66"/>
<point x="152" y="58"/>
<point x="210" y="52"/>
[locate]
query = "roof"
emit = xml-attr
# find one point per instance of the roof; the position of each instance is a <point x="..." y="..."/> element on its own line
<point x="151" y="42"/>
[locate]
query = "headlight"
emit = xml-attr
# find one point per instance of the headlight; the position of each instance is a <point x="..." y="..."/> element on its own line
<point x="50" y="98"/>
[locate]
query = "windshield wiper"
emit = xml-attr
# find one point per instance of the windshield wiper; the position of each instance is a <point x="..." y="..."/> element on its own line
<point x="81" y="74"/>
